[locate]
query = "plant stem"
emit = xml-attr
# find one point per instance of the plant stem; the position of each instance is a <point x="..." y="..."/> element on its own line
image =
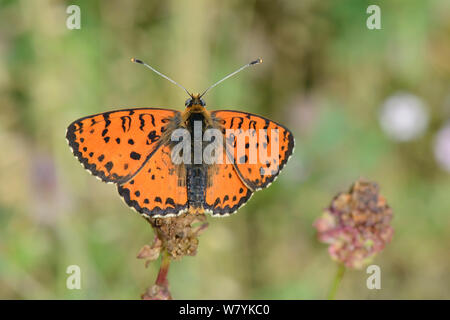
<point x="337" y="280"/>
<point x="161" y="280"/>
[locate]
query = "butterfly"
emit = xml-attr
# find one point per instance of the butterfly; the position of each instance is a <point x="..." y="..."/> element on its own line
<point x="134" y="149"/>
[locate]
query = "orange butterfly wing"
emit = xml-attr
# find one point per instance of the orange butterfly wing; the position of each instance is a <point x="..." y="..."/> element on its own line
<point x="226" y="192"/>
<point x="159" y="188"/>
<point x="257" y="155"/>
<point x="114" y="145"/>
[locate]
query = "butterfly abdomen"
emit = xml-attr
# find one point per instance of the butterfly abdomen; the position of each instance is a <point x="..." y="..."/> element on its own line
<point x="196" y="185"/>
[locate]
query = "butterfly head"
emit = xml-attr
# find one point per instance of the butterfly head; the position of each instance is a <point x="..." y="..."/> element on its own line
<point x="195" y="100"/>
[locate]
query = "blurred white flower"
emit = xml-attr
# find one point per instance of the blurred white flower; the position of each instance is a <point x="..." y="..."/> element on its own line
<point x="404" y="117"/>
<point x="442" y="147"/>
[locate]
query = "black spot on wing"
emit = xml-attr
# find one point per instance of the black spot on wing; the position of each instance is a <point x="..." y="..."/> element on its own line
<point x="152" y="136"/>
<point x="141" y="119"/>
<point x="126" y="123"/>
<point x="243" y="159"/>
<point x="106" y="118"/>
<point x="237" y="119"/>
<point x="109" y="166"/>
<point x="135" y="155"/>
<point x="170" y="201"/>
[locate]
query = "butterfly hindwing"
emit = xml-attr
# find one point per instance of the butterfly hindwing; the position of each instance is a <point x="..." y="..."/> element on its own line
<point x="226" y="192"/>
<point x="159" y="188"/>
<point x="258" y="147"/>
<point x="115" y="145"/>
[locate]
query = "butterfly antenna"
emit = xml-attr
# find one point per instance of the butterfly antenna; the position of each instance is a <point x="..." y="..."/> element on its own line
<point x="159" y="73"/>
<point x="257" y="61"/>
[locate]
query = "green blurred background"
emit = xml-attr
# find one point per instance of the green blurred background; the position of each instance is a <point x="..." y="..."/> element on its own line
<point x="325" y="75"/>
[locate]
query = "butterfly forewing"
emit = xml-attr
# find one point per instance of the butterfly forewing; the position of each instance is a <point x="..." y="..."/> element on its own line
<point x="115" y="145"/>
<point x="258" y="147"/>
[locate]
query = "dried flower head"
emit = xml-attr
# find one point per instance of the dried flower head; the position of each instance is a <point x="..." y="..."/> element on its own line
<point x="179" y="234"/>
<point x="175" y="237"/>
<point x="356" y="225"/>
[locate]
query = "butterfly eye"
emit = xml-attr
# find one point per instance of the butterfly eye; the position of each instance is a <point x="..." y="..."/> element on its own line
<point x="188" y="102"/>
<point x="202" y="102"/>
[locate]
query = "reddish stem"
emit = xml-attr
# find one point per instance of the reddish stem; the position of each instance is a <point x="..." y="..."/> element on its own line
<point x="161" y="280"/>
